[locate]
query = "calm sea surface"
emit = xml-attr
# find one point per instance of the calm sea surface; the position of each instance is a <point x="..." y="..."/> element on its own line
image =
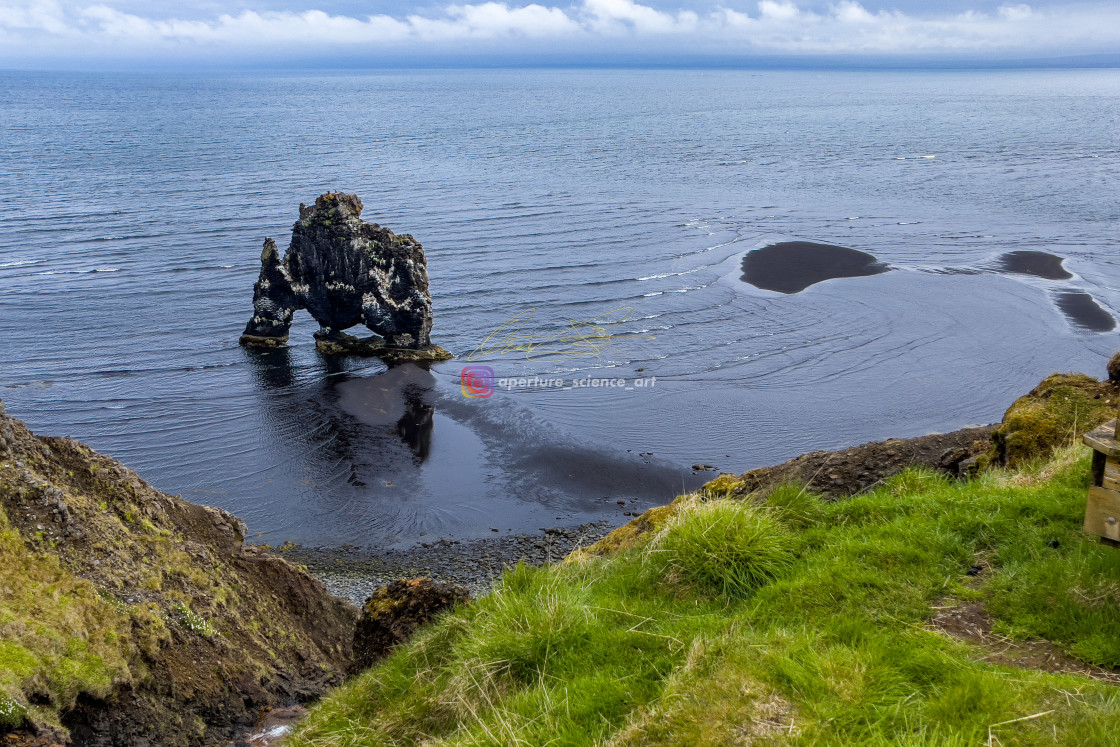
<point x="134" y="208"/>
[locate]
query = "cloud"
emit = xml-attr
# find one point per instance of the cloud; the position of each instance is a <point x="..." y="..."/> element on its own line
<point x="775" y="11"/>
<point x="489" y="20"/>
<point x="614" y="17"/>
<point x="45" y="28"/>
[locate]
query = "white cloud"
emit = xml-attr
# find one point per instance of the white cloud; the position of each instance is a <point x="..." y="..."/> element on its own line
<point x="852" y="12"/>
<point x="491" y="20"/>
<point x="45" y="16"/>
<point x="778" y="11"/>
<point x="1016" y="12"/>
<point x="611" y="17"/>
<point x="41" y="28"/>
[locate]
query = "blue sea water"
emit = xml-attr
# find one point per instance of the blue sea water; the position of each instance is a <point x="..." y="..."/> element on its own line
<point x="134" y="208"/>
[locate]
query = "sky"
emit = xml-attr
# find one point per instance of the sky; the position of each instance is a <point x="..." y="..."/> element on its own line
<point x="347" y="33"/>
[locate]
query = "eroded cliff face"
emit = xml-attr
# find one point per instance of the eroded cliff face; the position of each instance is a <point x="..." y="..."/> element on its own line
<point x="345" y="272"/>
<point x="132" y="617"/>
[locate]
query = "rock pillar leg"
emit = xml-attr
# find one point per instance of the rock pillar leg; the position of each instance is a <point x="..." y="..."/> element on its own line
<point x="274" y="303"/>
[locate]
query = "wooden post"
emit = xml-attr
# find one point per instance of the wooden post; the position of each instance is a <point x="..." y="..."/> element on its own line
<point x="1102" y="509"/>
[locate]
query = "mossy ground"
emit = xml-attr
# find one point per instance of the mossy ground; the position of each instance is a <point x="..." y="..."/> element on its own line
<point x="118" y="599"/>
<point x="823" y="636"/>
<point x="1053" y="414"/>
<point x="58" y="636"/>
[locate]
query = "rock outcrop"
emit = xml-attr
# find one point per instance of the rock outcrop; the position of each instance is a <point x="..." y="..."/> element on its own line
<point x="139" y="618"/>
<point x="393" y="613"/>
<point x="345" y="272"/>
<point x="1055" y="413"/>
<point x="1114" y="369"/>
<point x="845" y="472"/>
<point x="831" y="474"/>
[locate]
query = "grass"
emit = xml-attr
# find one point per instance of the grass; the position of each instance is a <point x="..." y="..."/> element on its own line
<point x="728" y="548"/>
<point x="58" y="637"/>
<point x="783" y="620"/>
<point x="140" y="604"/>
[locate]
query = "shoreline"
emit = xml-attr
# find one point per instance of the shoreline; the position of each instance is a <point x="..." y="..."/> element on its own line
<point x="70" y="508"/>
<point x="353" y="573"/>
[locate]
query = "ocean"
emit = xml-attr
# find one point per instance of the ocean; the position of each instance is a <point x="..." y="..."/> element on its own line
<point x="135" y="206"/>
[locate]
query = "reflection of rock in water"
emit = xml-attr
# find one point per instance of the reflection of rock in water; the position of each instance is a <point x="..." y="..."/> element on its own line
<point x="336" y="445"/>
<point x="1038" y="264"/>
<point x="415" y="426"/>
<point x="398" y="399"/>
<point x="792" y="266"/>
<point x="273" y="368"/>
<point x="1084" y="311"/>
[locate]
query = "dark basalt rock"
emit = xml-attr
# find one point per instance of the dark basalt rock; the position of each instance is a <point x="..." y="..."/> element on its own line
<point x="392" y="614"/>
<point x="7" y="435"/>
<point x="340" y="343"/>
<point x="345" y="272"/>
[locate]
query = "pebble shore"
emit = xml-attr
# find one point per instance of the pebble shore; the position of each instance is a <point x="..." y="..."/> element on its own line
<point x="354" y="573"/>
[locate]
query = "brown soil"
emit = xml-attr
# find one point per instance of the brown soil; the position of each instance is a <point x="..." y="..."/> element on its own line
<point x="219" y="630"/>
<point x="970" y="622"/>
<point x="23" y="739"/>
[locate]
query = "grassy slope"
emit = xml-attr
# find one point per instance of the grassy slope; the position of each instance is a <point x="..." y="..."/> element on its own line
<point x="792" y="621"/>
<point x="58" y="637"/>
<point x="147" y="605"/>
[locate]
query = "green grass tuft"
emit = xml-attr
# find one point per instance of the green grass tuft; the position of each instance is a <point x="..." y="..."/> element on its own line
<point x="795" y="506"/>
<point x="729" y="547"/>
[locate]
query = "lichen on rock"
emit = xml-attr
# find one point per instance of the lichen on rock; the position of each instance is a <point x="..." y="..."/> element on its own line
<point x="1114" y="369"/>
<point x="391" y="615"/>
<point x="344" y="272"/>
<point x="1055" y="413"/>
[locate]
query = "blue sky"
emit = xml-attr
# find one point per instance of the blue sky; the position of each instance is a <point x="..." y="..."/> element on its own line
<point x="136" y="33"/>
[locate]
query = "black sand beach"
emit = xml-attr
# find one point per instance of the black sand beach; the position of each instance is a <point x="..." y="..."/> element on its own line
<point x="1084" y="311"/>
<point x="792" y="266"/>
<point x="1038" y="264"/>
<point x="354" y="573"/>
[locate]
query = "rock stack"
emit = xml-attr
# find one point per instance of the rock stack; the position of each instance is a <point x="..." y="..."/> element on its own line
<point x="345" y="272"/>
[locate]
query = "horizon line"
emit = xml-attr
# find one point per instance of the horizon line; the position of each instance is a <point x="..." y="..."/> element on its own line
<point x="822" y="62"/>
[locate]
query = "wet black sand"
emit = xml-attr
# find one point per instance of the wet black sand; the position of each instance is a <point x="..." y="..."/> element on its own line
<point x="1084" y="311"/>
<point x="1039" y="264"/>
<point x="792" y="266"/>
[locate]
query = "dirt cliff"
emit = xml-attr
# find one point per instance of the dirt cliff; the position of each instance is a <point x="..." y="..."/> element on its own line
<point x="132" y="617"/>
